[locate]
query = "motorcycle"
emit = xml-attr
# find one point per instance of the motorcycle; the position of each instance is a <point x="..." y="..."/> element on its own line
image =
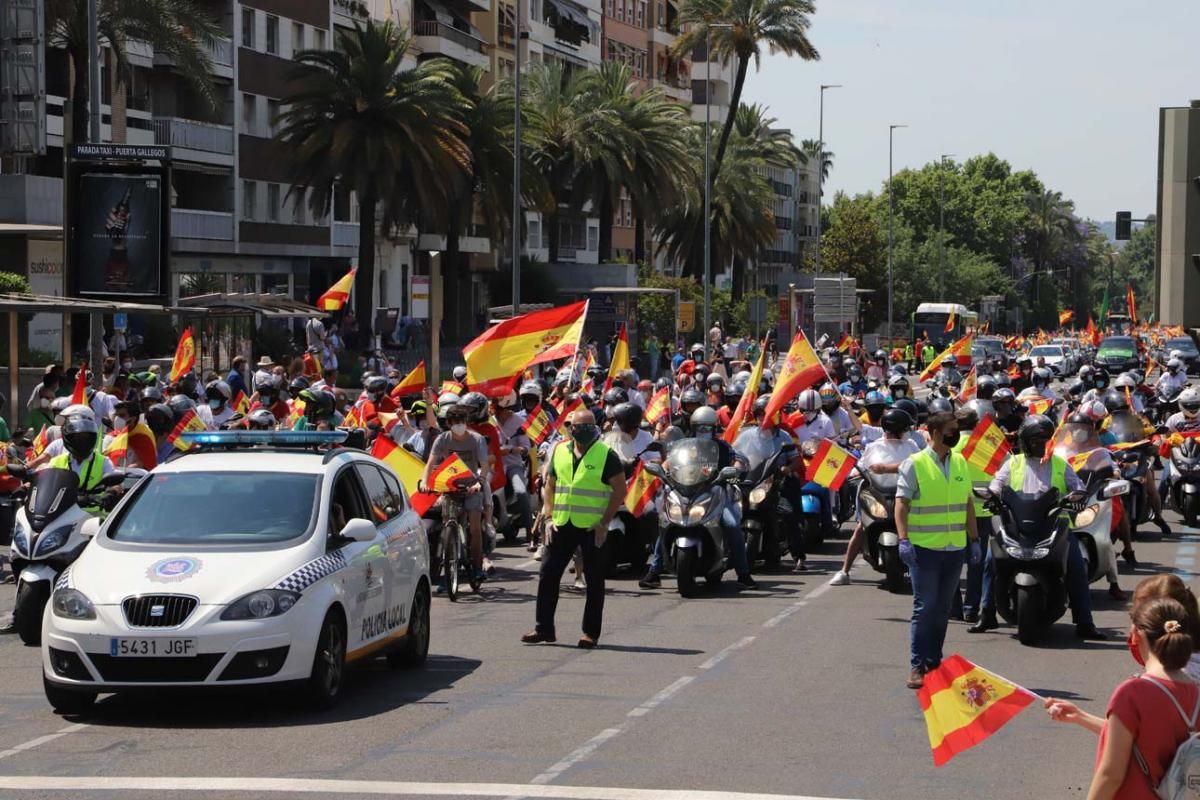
<point x="877" y="507"/>
<point x="1093" y="525"/>
<point x="1185" y="479"/>
<point x="50" y="533"/>
<point x="1134" y="464"/>
<point x="766" y="514"/>
<point x="630" y="539"/>
<point x="690" y="524"/>
<point x="1163" y="404"/>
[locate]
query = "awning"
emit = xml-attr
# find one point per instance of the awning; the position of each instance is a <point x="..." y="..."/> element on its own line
<point x="275" y="306"/>
<point x="454" y="20"/>
<point x="52" y="304"/>
<point x="579" y="17"/>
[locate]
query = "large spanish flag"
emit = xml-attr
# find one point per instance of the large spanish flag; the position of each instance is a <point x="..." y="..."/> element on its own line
<point x="1093" y="334"/>
<point x="1064" y="317"/>
<point x="641" y="489"/>
<point x="801" y="369"/>
<point x="336" y="296"/>
<point x="961" y="350"/>
<point x="408" y="468"/>
<point x="185" y="355"/>
<point x="830" y="465"/>
<point x="987" y="446"/>
<point x="620" y="358"/>
<point x="413" y="383"/>
<point x="965" y="704"/>
<point x="504" y="351"/>
<point x="748" y="397"/>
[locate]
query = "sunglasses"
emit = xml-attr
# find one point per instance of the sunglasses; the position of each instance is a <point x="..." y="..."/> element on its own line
<point x="566" y="424"/>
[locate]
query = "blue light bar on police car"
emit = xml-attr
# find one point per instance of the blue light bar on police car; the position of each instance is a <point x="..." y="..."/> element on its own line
<point x="271" y="438"/>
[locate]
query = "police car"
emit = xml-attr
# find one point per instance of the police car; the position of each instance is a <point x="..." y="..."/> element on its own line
<point x="256" y="558"/>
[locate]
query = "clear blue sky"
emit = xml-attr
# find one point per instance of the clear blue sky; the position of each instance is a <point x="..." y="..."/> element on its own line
<point x="1068" y="88"/>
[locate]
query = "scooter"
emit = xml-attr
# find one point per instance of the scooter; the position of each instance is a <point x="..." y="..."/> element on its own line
<point x="1093" y="525"/>
<point x="49" y="535"/>
<point x="766" y="514"/>
<point x="877" y="506"/>
<point x="690" y="524"/>
<point x="1134" y="464"/>
<point x="1185" y="479"/>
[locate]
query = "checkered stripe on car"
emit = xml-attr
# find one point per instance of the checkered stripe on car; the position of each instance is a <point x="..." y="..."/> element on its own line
<point x="64" y="580"/>
<point x="313" y="571"/>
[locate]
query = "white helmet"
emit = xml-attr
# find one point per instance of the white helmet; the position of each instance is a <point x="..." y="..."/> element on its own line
<point x="79" y="410"/>
<point x="1124" y="381"/>
<point x="1176" y="354"/>
<point x="1174" y="364"/>
<point x="809" y="400"/>
<point x="507" y="401"/>
<point x="1189" y="402"/>
<point x="1095" y="410"/>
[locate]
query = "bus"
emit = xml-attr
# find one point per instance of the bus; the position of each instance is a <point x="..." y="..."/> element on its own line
<point x="930" y="320"/>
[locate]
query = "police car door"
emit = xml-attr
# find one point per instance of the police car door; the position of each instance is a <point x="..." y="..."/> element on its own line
<point x="348" y="499"/>
<point x="388" y="586"/>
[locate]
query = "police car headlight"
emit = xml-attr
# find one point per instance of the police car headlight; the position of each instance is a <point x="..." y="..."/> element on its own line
<point x="20" y="539"/>
<point x="873" y="507"/>
<point x="1087" y="516"/>
<point x="52" y="540"/>
<point x="261" y="604"/>
<point x="759" y="493"/>
<point x="72" y="604"/>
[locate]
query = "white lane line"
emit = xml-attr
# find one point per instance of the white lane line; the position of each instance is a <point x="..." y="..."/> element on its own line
<point x="525" y="564"/>
<point x="662" y="697"/>
<point x="782" y="615"/>
<point x="234" y="786"/>
<point x="41" y="740"/>
<point x="575" y="757"/>
<point x="725" y="653"/>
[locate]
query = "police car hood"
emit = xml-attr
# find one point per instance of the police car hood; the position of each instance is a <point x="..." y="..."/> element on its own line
<point x="109" y="573"/>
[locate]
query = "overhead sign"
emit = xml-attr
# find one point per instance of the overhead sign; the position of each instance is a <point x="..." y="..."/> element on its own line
<point x="687" y="316"/>
<point x="121" y="152"/>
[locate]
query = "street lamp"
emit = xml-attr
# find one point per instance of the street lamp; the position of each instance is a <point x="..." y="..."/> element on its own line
<point x="942" y="226"/>
<point x="708" y="29"/>
<point x="891" y="211"/>
<point x="435" y="317"/>
<point x="517" y="217"/>
<point x="821" y="162"/>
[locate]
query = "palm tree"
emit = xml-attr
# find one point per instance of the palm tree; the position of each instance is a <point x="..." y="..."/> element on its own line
<point x="1052" y="228"/>
<point x="781" y="26"/>
<point x="810" y="151"/>
<point x="361" y="120"/>
<point x="178" y="29"/>
<point x="756" y="136"/>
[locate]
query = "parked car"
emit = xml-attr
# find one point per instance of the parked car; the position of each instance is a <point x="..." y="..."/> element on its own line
<point x="1191" y="354"/>
<point x="1056" y="357"/>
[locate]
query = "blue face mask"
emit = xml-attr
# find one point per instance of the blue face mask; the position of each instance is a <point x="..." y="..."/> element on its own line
<point x="215" y="405"/>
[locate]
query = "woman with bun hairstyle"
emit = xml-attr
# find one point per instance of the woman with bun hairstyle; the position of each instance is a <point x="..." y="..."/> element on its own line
<point x="1172" y="586"/>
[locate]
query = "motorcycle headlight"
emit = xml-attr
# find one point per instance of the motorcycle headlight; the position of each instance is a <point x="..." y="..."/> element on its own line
<point x="1087" y="516"/>
<point x="1027" y="553"/>
<point x="72" y="604"/>
<point x="759" y="493"/>
<point x="20" y="539"/>
<point x="261" y="604"/>
<point x="873" y="507"/>
<point x="699" y="510"/>
<point x="52" y="540"/>
<point x="675" y="512"/>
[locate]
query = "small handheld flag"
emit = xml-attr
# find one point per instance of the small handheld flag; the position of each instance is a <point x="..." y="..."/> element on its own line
<point x="1064" y="317"/>
<point x="189" y="423"/>
<point x="241" y="403"/>
<point x="964" y="704"/>
<point x="408" y="468"/>
<point x="185" y="355"/>
<point x="79" y="395"/>
<point x="950" y="320"/>
<point x="987" y="446"/>
<point x="1131" y="301"/>
<point x="452" y="475"/>
<point x="961" y="350"/>
<point x="659" y="406"/>
<point x="337" y="295"/>
<point x="412" y="383"/>
<point x="641" y="490"/>
<point x="801" y="369"/>
<point x="1038" y="405"/>
<point x="748" y="397"/>
<point x="538" y="425"/>
<point x="969" y="387"/>
<point x="830" y="465"/>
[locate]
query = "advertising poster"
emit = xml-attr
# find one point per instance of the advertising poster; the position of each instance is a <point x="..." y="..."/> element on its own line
<point x="44" y="264"/>
<point x="118" y="244"/>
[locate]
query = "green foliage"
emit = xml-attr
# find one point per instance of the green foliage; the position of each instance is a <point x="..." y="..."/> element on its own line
<point x="12" y="282"/>
<point x="1133" y="266"/>
<point x="656" y="312"/>
<point x="274" y="340"/>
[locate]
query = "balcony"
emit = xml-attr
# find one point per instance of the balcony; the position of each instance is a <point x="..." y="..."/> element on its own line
<point x="188" y="223"/>
<point x="438" y="38"/>
<point x="203" y="142"/>
<point x="507" y="34"/>
<point x="220" y="51"/>
<point x="345" y="234"/>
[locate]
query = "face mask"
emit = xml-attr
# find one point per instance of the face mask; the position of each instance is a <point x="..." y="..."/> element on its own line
<point x="585" y="434"/>
<point x="1079" y="436"/>
<point x="898" y="393"/>
<point x="1101" y="384"/>
<point x="950" y="439"/>
<point x="1039" y="384"/>
<point x="215" y="405"/>
<point x="458" y="428"/>
<point x="810" y="416"/>
<point x="1134" y="650"/>
<point x="127" y="365"/>
<point x="120" y="423"/>
<point x="1036" y="449"/>
<point x="44" y="402"/>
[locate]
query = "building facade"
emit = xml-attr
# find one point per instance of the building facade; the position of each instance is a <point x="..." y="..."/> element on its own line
<point x="1177" y="273"/>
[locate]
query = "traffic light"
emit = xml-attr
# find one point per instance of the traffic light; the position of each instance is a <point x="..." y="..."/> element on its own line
<point x="1124" y="225"/>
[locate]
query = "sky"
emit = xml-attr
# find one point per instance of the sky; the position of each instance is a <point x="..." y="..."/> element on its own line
<point x="1067" y="88"/>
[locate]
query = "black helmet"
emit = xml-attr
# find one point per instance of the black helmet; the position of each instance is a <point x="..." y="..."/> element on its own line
<point x="939" y="405"/>
<point x="260" y="419"/>
<point x="895" y="421"/>
<point x="317" y="404"/>
<point x="218" y="390"/>
<point x="615" y="397"/>
<point x="298" y="385"/>
<point x="760" y="404"/>
<point x="161" y="419"/>
<point x="1115" y="401"/>
<point x="1002" y="379"/>
<point x="187" y="386"/>
<point x="152" y="394"/>
<point x="477" y="404"/>
<point x="1100" y="378"/>
<point x="909" y="406"/>
<point x="1080" y="418"/>
<point x="1034" y="434"/>
<point x="922" y="410"/>
<point x="180" y="404"/>
<point x="79" y="435"/>
<point x="662" y="383"/>
<point x="715" y="383"/>
<point x="627" y="416"/>
<point x="1075" y="389"/>
<point x="734" y="392"/>
<point x="985" y="387"/>
<point x="691" y="397"/>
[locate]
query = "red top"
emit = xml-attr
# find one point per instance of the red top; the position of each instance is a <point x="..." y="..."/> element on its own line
<point x="1157" y="730"/>
<point x="488" y="431"/>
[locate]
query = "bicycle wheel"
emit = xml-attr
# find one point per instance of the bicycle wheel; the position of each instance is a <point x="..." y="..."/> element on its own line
<point x="466" y="562"/>
<point x="451" y="557"/>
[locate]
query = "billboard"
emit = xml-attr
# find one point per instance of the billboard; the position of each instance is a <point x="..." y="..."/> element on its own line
<point x="44" y="265"/>
<point x="118" y="236"/>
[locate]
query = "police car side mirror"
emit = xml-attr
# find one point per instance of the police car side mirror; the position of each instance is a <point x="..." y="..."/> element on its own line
<point x="90" y="527"/>
<point x="359" y="530"/>
<point x="115" y="478"/>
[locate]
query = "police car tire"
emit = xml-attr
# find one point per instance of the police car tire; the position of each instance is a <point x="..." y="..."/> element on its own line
<point x="414" y="649"/>
<point x="65" y="701"/>
<point x="324" y="683"/>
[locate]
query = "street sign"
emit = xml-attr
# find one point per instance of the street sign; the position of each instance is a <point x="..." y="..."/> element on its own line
<point x="758" y="310"/>
<point x="420" y="297"/>
<point x="120" y="322"/>
<point x="687" y="317"/>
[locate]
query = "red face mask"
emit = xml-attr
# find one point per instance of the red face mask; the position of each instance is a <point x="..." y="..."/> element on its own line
<point x="1134" y="650"/>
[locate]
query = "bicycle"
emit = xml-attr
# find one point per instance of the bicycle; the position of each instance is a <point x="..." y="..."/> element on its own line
<point x="455" y="547"/>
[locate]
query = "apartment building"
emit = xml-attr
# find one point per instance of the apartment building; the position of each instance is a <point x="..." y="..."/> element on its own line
<point x="795" y="226"/>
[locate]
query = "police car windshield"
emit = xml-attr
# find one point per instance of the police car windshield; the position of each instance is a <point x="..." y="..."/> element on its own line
<point x="217" y="508"/>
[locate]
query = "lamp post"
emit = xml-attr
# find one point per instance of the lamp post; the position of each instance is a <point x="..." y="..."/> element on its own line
<point x="517" y="217"/>
<point x="821" y="162"/>
<point x="942" y="226"/>
<point x="891" y="211"/>
<point x="435" y="317"/>
<point x="708" y="29"/>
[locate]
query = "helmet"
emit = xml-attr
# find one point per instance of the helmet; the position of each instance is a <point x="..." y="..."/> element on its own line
<point x="1034" y="434"/>
<point x="1002" y="379"/>
<point x="1004" y="395"/>
<point x="616" y="396"/>
<point x="1094" y="409"/>
<point x="662" y="383"/>
<point x="477" y="404"/>
<point x="950" y="361"/>
<point x="898" y="386"/>
<point x="1100" y="378"/>
<point x="734" y="391"/>
<point x="376" y="386"/>
<point x="1189" y="402"/>
<point x="507" y="401"/>
<point x="1124" y="381"/>
<point x="922" y="410"/>
<point x="704" y="420"/>
<point x="854" y="372"/>
<point x="715" y="383"/>
<point x="161" y="419"/>
<point x="78" y="410"/>
<point x="218" y="390"/>
<point x="691" y="397"/>
<point x="1115" y="401"/>
<point x="1024" y="360"/>
<point x="895" y="421"/>
<point x="809" y="400"/>
<point x="267" y="384"/>
<point x="760" y="404"/>
<point x="459" y="373"/>
<point x="880" y="355"/>
<point x="318" y="404"/>
<point x="1042" y="374"/>
<point x="1086" y="373"/>
<point x="628" y="416"/>
<point x="909" y="407"/>
<point x="180" y="404"/>
<point x="1174" y="365"/>
<point x="874" y="399"/>
<point x="446" y="401"/>
<point x="187" y="385"/>
<point x="1075" y="389"/>
<point x="940" y="405"/>
<point x="1080" y="417"/>
<point x="645" y="385"/>
<point x="829" y="396"/>
<point x="260" y="419"/>
<point x="742" y="375"/>
<point x="79" y="436"/>
<point x="985" y="387"/>
<point x="298" y="385"/>
<point x="1175" y="354"/>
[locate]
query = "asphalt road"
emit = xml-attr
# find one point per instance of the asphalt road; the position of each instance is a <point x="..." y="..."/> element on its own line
<point x="795" y="689"/>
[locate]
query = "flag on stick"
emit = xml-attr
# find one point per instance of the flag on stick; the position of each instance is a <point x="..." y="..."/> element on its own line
<point x="830" y="465"/>
<point x="641" y="489"/>
<point x="1037" y="405"/>
<point x="801" y="369"/>
<point x="1064" y="317"/>
<point x="964" y="704"/>
<point x="412" y="383"/>
<point x="748" y="397"/>
<point x="538" y="425"/>
<point x="185" y="356"/>
<point x="969" y="387"/>
<point x="961" y="350"/>
<point x="452" y="475"/>
<point x="507" y="349"/>
<point x="241" y="403"/>
<point x="453" y="387"/>
<point x="620" y="358"/>
<point x="189" y="423"/>
<point x="949" y="322"/>
<point x="987" y="446"/>
<point x="659" y="406"/>
<point x="844" y="343"/>
<point x="79" y="394"/>
<point x="1093" y="334"/>
<point x="1131" y="301"/>
<point x="337" y="295"/>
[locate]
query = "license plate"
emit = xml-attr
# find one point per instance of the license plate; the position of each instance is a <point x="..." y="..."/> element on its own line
<point x="152" y="647"/>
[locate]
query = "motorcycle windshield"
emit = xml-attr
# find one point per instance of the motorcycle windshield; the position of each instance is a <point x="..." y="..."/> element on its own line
<point x="691" y="463"/>
<point x="757" y="447"/>
<point x="1074" y="439"/>
<point x="52" y="492"/>
<point x="1127" y="428"/>
<point x="1034" y="514"/>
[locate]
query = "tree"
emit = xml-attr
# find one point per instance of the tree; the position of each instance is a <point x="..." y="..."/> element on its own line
<point x="739" y="30"/>
<point x="756" y="135"/>
<point x="854" y="240"/>
<point x="1132" y="266"/>
<point x="810" y="154"/>
<point x="359" y="119"/>
<point x="178" y="29"/>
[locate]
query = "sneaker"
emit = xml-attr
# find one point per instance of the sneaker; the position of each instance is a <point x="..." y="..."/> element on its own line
<point x="1090" y="632"/>
<point x="651" y="581"/>
<point x="541" y="552"/>
<point x="840" y="578"/>
<point x="489" y="567"/>
<point x="801" y="565"/>
<point x="480" y="575"/>
<point x="579" y="584"/>
<point x="746" y="581"/>
<point x="916" y="678"/>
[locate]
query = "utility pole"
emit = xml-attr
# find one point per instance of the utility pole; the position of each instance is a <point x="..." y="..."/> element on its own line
<point x="95" y="98"/>
<point x="891" y="212"/>
<point x="518" y="221"/>
<point x="708" y="177"/>
<point x="821" y="163"/>
<point x="942" y="226"/>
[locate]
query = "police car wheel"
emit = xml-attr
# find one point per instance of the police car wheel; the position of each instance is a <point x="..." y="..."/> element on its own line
<point x="413" y="651"/>
<point x="329" y="663"/>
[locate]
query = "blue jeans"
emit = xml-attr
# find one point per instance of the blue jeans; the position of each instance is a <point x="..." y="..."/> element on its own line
<point x="987" y="601"/>
<point x="969" y="602"/>
<point x="1077" y="585"/>
<point x="935" y="583"/>
<point x="822" y="494"/>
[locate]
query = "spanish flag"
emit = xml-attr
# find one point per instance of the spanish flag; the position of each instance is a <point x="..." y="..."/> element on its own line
<point x="961" y="350"/>
<point x="41" y="441"/>
<point x="969" y="387"/>
<point x="506" y="350"/>
<point x="987" y="446"/>
<point x="748" y="397"/>
<point x="801" y="369"/>
<point x="1079" y="460"/>
<point x="408" y="468"/>
<point x="337" y="295"/>
<point x="844" y="343"/>
<point x="964" y="704"/>
<point x="189" y="423"/>
<point x="452" y="475"/>
<point x="312" y="366"/>
<point x="950" y="320"/>
<point x="185" y="355"/>
<point x="1037" y="405"/>
<point x="539" y="424"/>
<point x="453" y="387"/>
<point x="1131" y="301"/>
<point x="139" y="439"/>
<point x="1093" y="334"/>
<point x="830" y="465"/>
<point x="641" y="489"/>
<point x="1064" y="317"/>
<point x="659" y="406"/>
<point x="241" y="403"/>
<point x="567" y="410"/>
<point x="353" y="418"/>
<point x="412" y="383"/>
<point x="79" y="395"/>
<point x="620" y="357"/>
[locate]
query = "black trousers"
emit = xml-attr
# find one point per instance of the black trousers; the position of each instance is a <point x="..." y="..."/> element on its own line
<point x="554" y="564"/>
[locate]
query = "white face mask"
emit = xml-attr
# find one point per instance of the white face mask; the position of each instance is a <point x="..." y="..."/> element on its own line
<point x="459" y="428"/>
<point x="1080" y="436"/>
<point x="44" y="402"/>
<point x="120" y="423"/>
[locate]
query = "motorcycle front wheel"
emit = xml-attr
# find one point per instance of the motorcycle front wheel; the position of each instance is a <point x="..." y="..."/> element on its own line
<point x="893" y="570"/>
<point x="1031" y="606"/>
<point x="685" y="571"/>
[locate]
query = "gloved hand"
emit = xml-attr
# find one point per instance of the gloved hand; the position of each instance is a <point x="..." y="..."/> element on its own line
<point x="974" y="553"/>
<point x="908" y="553"/>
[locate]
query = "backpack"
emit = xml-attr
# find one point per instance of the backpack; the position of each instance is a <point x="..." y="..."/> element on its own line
<point x="1182" y="778"/>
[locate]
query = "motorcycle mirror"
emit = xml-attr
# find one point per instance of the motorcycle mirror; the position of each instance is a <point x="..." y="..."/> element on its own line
<point x="1114" y="489"/>
<point x="728" y="474"/>
<point x="90" y="527"/>
<point x="655" y="447"/>
<point x="18" y="471"/>
<point x="982" y="492"/>
<point x="114" y="478"/>
<point x="655" y="469"/>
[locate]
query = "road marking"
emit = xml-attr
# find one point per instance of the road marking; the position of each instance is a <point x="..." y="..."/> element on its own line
<point x="782" y="615"/>
<point x="41" y="740"/>
<point x="662" y="697"/>
<point x="235" y="786"/>
<point x="579" y="754"/>
<point x="723" y="654"/>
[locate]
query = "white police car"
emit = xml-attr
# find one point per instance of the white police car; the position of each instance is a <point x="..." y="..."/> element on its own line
<point x="259" y="558"/>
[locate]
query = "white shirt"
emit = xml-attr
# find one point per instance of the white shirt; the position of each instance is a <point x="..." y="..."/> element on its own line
<point x="103" y="404"/>
<point x="840" y="419"/>
<point x="511" y="436"/>
<point x="222" y="416"/>
<point x="1170" y="383"/>
<point x="886" y="451"/>
<point x="1037" y="477"/>
<point x="1045" y="393"/>
<point x="1179" y="423"/>
<point x="819" y="428"/>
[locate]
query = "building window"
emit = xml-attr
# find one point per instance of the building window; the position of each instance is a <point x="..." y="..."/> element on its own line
<point x="249" y="200"/>
<point x="273" y="35"/>
<point x="641" y="13"/>
<point x="248" y="28"/>
<point x="297" y="207"/>
<point x="612" y="8"/>
<point x="272" y="202"/>
<point x="534" y="234"/>
<point x="319" y="40"/>
<point x="297" y="38"/>
<point x="621" y="10"/>
<point x="593" y="237"/>
<point x="273" y="111"/>
<point x="249" y="114"/>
